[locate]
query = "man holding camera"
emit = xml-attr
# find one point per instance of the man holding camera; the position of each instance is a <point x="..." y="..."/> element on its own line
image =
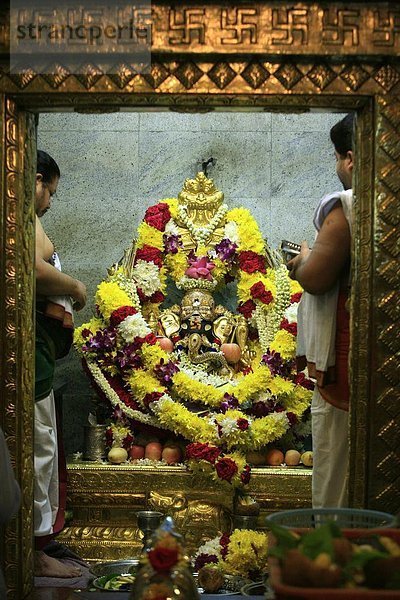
<point x="323" y="326"/>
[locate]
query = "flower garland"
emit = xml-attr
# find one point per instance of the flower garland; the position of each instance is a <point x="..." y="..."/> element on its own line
<point x="257" y="407"/>
<point x="241" y="553"/>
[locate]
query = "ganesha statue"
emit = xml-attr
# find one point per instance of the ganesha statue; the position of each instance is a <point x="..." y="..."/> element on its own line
<point x="223" y="380"/>
<point x="205" y="332"/>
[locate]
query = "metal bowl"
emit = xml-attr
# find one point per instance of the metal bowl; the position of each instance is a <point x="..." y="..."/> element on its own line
<point x="258" y="588"/>
<point x="117" y="567"/>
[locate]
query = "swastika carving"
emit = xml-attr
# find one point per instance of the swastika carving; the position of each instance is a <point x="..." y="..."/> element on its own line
<point x="341" y="27"/>
<point x="386" y="27"/>
<point x="289" y="25"/>
<point x="187" y="26"/>
<point x="240" y="24"/>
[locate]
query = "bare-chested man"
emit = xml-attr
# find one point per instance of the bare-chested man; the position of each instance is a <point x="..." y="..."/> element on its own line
<point x="56" y="293"/>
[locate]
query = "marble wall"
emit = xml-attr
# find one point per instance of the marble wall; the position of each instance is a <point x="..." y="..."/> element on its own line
<point x="114" y="166"/>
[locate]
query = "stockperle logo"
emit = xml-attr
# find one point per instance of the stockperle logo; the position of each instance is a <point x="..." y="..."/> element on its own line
<point x="45" y="32"/>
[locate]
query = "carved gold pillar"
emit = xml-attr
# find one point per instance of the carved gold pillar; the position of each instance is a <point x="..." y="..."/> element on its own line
<point x="362" y="307"/>
<point x="384" y="418"/>
<point x="16" y="322"/>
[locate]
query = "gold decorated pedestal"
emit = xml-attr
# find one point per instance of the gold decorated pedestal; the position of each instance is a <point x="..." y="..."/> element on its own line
<point x="104" y="499"/>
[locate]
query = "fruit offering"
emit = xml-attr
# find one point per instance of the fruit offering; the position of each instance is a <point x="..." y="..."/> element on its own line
<point x="324" y="558"/>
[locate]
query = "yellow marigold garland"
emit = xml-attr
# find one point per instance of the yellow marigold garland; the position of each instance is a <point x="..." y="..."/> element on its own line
<point x="171" y="414"/>
<point x="109" y="297"/>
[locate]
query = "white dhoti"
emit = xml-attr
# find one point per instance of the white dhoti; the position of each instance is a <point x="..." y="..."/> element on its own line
<point x="330" y="434"/>
<point x="46" y="488"/>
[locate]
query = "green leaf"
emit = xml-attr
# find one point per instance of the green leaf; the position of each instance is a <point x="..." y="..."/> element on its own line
<point x="362" y="558"/>
<point x="317" y="541"/>
<point x="286" y="540"/>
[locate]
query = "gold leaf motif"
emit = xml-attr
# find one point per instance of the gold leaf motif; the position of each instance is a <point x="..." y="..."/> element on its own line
<point x="24" y="78"/>
<point x="123" y="74"/>
<point x="56" y="75"/>
<point x="188" y="73"/>
<point x="221" y="74"/>
<point x="158" y="74"/>
<point x="321" y="76"/>
<point x="255" y="75"/>
<point x="288" y="75"/>
<point x="354" y="76"/>
<point x="89" y="75"/>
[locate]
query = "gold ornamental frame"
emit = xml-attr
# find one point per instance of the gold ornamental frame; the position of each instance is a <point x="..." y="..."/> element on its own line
<point x="273" y="55"/>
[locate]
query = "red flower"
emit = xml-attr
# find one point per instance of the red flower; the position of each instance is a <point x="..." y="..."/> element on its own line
<point x="259" y="292"/>
<point x="109" y="437"/>
<point x="199" y="451"/>
<point x="157" y="297"/>
<point x="150" y="254"/>
<point x="302" y="380"/>
<point x="118" y="386"/>
<point x="296" y="297"/>
<point x="127" y="441"/>
<point x="251" y="262"/>
<point x="226" y="468"/>
<point x="247" y="308"/>
<point x="224" y="540"/>
<point x="86" y="332"/>
<point x="120" y="314"/>
<point x="293" y="420"/>
<point x="243" y="424"/>
<point x="245" y="475"/>
<point x="151" y="397"/>
<point x="290" y="327"/>
<point x="141" y="294"/>
<point x="158" y="216"/>
<point x="204" y="559"/>
<point x="224" y="543"/>
<point x="163" y="559"/>
<point x="150" y="338"/>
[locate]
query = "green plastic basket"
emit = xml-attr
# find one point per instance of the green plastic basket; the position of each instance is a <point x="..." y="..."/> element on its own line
<point x="345" y="518"/>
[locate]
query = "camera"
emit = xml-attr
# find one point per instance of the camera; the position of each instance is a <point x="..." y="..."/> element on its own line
<point x="289" y="250"/>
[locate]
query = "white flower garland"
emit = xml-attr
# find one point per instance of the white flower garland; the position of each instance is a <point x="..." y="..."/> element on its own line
<point x="133" y="326"/>
<point x="147" y="276"/>
<point x="201" y="234"/>
<point x="187" y="283"/>
<point x="268" y="326"/>
<point x="231" y="232"/>
<point x="115" y="400"/>
<point x="201" y="374"/>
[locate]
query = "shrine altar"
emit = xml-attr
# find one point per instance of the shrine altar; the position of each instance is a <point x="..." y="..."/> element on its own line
<point x="104" y="499"/>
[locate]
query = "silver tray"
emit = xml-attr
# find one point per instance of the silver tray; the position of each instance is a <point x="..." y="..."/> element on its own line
<point x="117" y="567"/>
